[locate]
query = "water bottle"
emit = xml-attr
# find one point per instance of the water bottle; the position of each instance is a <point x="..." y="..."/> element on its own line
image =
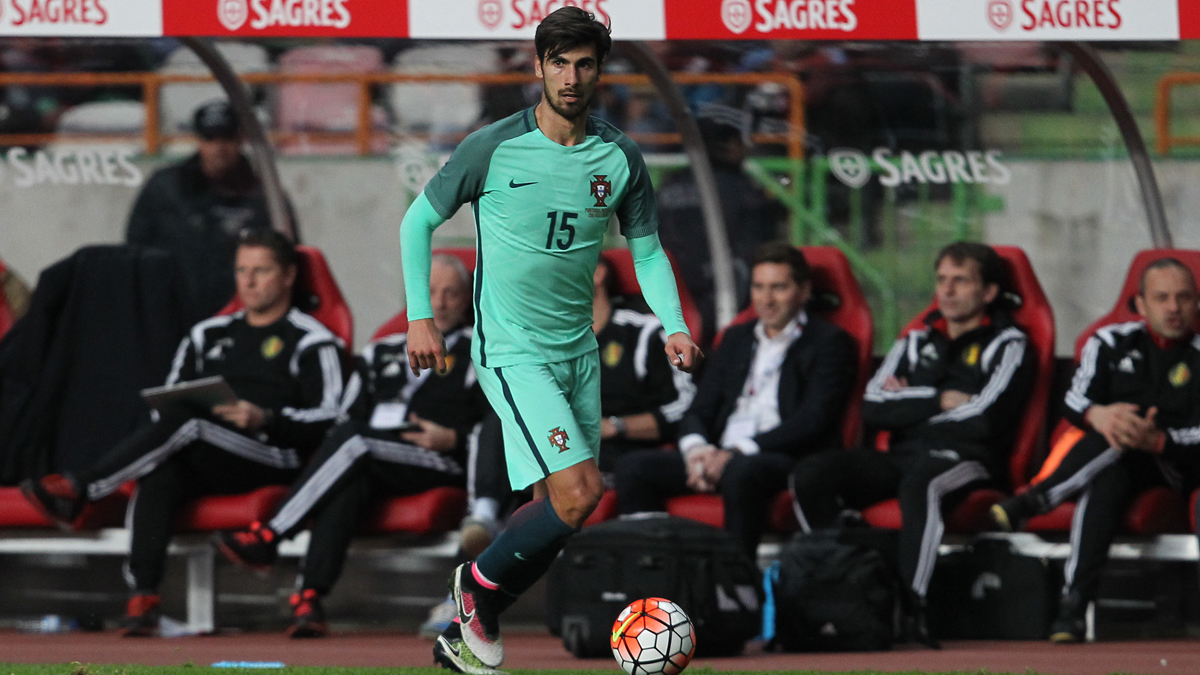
<point x="50" y="623"/>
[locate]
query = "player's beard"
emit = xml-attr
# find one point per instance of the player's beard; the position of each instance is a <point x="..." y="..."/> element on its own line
<point x="571" y="112"/>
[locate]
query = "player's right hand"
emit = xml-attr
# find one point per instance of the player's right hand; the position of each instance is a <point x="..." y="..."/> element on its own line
<point x="426" y="346"/>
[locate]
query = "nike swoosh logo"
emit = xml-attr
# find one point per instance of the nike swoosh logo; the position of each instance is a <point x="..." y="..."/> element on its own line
<point x="519" y="556"/>
<point x="513" y="184"/>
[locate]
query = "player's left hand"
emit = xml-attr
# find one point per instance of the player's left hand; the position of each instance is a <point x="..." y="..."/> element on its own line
<point x="243" y="415"/>
<point x="683" y="353"/>
<point x="432" y="435"/>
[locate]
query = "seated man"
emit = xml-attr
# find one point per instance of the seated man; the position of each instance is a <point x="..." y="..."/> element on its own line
<point x="405" y="435"/>
<point x="950" y="394"/>
<point x="1138" y="405"/>
<point x="642" y="399"/>
<point x="774" y="391"/>
<point x="284" y="366"/>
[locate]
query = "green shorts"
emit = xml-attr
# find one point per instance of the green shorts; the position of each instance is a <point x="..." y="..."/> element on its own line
<point x="550" y="413"/>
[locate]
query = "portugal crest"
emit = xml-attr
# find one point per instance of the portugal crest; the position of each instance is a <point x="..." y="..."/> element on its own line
<point x="601" y="190"/>
<point x="559" y="438"/>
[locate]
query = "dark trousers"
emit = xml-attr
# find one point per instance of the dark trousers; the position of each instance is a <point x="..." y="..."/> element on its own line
<point x="487" y="471"/>
<point x="1106" y="480"/>
<point x="647" y="478"/>
<point x="353" y="469"/>
<point x="825" y="484"/>
<point x="177" y="460"/>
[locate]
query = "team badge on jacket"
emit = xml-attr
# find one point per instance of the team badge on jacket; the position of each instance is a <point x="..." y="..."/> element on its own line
<point x="271" y="347"/>
<point x="971" y="355"/>
<point x="1179" y="375"/>
<point x="612" y="353"/>
<point x="449" y="365"/>
<point x="559" y="438"/>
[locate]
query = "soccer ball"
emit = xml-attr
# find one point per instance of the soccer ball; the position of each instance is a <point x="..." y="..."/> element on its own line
<point x="653" y="637"/>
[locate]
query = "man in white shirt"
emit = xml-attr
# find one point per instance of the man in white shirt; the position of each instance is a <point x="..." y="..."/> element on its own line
<point x="775" y="391"/>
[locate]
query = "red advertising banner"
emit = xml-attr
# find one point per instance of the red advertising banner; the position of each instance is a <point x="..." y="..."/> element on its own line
<point x="1189" y="20"/>
<point x="791" y="19"/>
<point x="286" y="18"/>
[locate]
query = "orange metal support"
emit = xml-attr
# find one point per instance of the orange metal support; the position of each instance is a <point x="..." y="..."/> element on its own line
<point x="1162" y="111"/>
<point x="363" y="134"/>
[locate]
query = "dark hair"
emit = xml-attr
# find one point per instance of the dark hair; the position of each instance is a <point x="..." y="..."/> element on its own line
<point x="784" y="254"/>
<point x="568" y="28"/>
<point x="282" y="248"/>
<point x="1162" y="264"/>
<point x="991" y="266"/>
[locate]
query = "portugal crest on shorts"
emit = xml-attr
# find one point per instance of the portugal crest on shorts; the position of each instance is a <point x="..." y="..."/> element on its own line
<point x="559" y="438"/>
<point x="1179" y="375"/>
<point x="601" y="190"/>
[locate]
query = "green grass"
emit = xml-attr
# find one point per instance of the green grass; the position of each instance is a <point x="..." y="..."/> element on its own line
<point x="189" y="669"/>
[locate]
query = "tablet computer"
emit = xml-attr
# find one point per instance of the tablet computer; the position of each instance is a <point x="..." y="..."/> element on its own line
<point x="201" y="394"/>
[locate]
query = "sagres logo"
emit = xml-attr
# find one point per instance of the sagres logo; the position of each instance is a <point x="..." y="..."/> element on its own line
<point x="850" y="166"/>
<point x="559" y="438"/>
<point x="1000" y="14"/>
<point x="491" y="13"/>
<point x="737" y="15"/>
<point x="232" y="13"/>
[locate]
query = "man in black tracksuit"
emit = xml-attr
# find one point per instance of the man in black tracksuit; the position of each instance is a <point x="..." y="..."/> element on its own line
<point x="405" y="434"/>
<point x="195" y="209"/>
<point x="285" y="369"/>
<point x="775" y="391"/>
<point x="1137" y="398"/>
<point x="950" y="394"/>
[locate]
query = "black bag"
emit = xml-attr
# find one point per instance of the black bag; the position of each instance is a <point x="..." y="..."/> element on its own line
<point x="607" y="566"/>
<point x="832" y="595"/>
<point x="987" y="592"/>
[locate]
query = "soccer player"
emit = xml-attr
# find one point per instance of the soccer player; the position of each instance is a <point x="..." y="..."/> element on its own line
<point x="543" y="185"/>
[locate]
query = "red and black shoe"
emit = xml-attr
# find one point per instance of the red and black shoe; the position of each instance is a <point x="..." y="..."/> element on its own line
<point x="56" y="498"/>
<point x="308" y="617"/>
<point x="142" y="615"/>
<point x="254" y="547"/>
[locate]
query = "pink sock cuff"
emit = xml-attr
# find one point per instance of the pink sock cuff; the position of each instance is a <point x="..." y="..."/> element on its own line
<point x="483" y="581"/>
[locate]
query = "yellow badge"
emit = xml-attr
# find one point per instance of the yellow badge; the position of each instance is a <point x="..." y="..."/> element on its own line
<point x="271" y="347"/>
<point x="1179" y="375"/>
<point x="971" y="355"/>
<point x="612" y="354"/>
<point x="449" y="365"/>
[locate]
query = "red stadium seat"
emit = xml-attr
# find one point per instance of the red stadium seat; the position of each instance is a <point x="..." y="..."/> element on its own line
<point x="6" y="313"/>
<point x="437" y="510"/>
<point x="621" y="262"/>
<point x="324" y="299"/>
<point x="1036" y="318"/>
<point x="1152" y="512"/>
<point x="229" y="512"/>
<point x="840" y="300"/>
<point x="605" y="510"/>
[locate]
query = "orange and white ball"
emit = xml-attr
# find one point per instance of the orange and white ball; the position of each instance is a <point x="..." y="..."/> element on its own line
<point x="653" y="637"/>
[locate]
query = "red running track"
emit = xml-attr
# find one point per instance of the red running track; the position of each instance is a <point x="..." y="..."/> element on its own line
<point x="540" y="651"/>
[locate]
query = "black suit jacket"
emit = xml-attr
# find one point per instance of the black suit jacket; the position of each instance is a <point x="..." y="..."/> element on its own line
<point x="815" y="383"/>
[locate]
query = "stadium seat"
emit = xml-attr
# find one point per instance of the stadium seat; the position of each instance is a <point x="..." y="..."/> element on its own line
<point x="838" y="298"/>
<point x="312" y="106"/>
<point x="1035" y="316"/>
<point x="1158" y="510"/>
<point x="229" y="512"/>
<point x="125" y="118"/>
<point x="621" y="262"/>
<point x="317" y="293"/>
<point x="444" y="111"/>
<point x="179" y="101"/>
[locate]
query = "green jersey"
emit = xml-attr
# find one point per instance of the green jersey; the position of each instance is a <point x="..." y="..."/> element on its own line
<point x="541" y="212"/>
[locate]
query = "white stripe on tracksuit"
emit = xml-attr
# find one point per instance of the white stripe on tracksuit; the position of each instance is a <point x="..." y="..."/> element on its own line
<point x="341" y="461"/>
<point x="1076" y="536"/>
<point x="189" y="432"/>
<point x="1082" y="478"/>
<point x="942" y="485"/>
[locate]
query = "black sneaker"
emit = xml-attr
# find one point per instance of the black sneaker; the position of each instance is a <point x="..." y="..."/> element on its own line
<point x="254" y="547"/>
<point x="142" y="615"/>
<point x="1010" y="515"/>
<point x="1070" y="626"/>
<point x="452" y="653"/>
<point x="55" y="497"/>
<point x="916" y="623"/>
<point x="479" y="613"/>
<point x="308" y="617"/>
